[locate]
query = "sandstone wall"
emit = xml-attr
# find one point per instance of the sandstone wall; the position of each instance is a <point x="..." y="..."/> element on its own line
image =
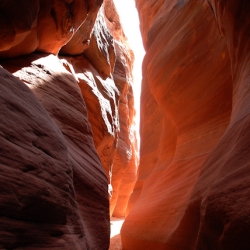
<point x="66" y="123"/>
<point x="192" y="190"/>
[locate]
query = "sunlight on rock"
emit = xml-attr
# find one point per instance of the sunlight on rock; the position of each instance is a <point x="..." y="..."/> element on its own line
<point x="115" y="228"/>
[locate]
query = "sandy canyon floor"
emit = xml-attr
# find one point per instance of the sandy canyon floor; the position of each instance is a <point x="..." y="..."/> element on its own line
<point x="115" y="237"/>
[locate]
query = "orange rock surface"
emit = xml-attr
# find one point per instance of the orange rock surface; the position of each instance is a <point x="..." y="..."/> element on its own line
<point x="66" y="124"/>
<point x="124" y="169"/>
<point x="192" y="191"/>
<point x="45" y="25"/>
<point x="104" y="75"/>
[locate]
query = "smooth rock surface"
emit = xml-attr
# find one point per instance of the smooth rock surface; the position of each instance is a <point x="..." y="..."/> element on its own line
<point x="221" y="195"/>
<point x="68" y="135"/>
<point x="192" y="190"/>
<point x="45" y="26"/>
<point x="59" y="93"/>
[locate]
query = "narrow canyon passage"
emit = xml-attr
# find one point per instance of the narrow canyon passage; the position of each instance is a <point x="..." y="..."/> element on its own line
<point x="115" y="236"/>
<point x="72" y="176"/>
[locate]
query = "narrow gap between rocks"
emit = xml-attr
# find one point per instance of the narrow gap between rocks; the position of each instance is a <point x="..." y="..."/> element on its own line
<point x="131" y="29"/>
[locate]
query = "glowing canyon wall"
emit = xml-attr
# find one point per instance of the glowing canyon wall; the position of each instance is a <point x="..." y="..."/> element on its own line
<point x="193" y="186"/>
<point x="66" y="128"/>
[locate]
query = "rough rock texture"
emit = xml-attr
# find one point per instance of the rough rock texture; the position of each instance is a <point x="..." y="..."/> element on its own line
<point x="106" y="85"/>
<point x="65" y="121"/>
<point x="124" y="169"/>
<point x="192" y="191"/>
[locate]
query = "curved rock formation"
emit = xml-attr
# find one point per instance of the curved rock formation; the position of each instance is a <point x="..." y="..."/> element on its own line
<point x="124" y="169"/>
<point x="60" y="95"/>
<point x="222" y="191"/>
<point x="106" y="85"/>
<point x="70" y="124"/>
<point x="81" y="38"/>
<point x="42" y="25"/>
<point x="192" y="190"/>
<point x="45" y="188"/>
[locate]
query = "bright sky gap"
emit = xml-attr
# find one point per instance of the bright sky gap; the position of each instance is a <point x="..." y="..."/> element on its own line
<point x="130" y="22"/>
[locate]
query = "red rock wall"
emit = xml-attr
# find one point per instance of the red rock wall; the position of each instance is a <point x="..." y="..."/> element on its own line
<point x="124" y="168"/>
<point x="192" y="190"/>
<point x="66" y="124"/>
<point x="43" y="190"/>
<point x="43" y="25"/>
<point x="106" y="86"/>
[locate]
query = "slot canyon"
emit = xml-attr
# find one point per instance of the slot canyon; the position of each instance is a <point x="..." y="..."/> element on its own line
<point x="69" y="157"/>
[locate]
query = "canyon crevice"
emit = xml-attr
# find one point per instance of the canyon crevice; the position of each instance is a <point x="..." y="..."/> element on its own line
<point x="68" y="146"/>
<point x="67" y="124"/>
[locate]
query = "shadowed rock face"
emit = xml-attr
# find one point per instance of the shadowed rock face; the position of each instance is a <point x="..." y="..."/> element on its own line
<point x="66" y="124"/>
<point x="192" y="190"/>
<point x="51" y="170"/>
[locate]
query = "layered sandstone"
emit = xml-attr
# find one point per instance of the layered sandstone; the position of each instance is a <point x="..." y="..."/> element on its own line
<point x="124" y="169"/>
<point x="66" y="123"/>
<point x="43" y="25"/>
<point x="47" y="198"/>
<point x="192" y="190"/>
<point x="104" y="75"/>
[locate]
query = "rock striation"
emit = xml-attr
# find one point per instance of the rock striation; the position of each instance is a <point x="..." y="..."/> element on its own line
<point x="66" y="123"/>
<point x="42" y="25"/>
<point x="104" y="75"/>
<point x="50" y="168"/>
<point x="192" y="190"/>
<point x="124" y="168"/>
